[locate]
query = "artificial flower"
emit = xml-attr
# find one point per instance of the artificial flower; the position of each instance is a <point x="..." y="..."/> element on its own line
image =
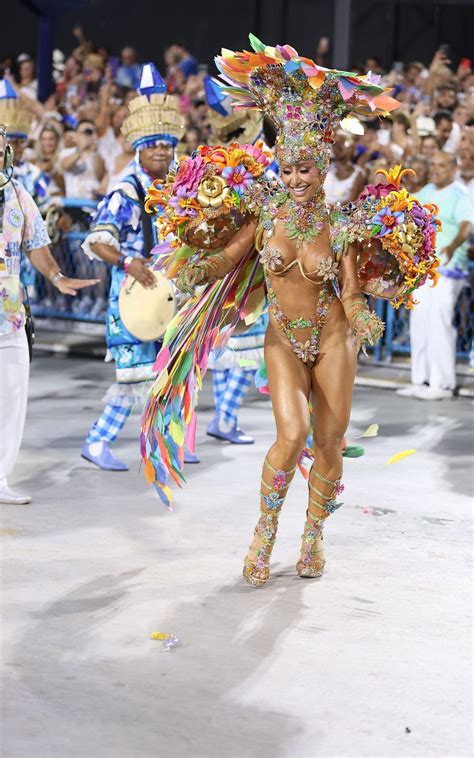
<point x="189" y="176"/>
<point x="237" y="178"/>
<point x="212" y="192"/>
<point x="388" y="220"/>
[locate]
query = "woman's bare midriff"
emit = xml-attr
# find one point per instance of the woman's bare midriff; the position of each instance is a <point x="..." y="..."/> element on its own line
<point x="296" y="293"/>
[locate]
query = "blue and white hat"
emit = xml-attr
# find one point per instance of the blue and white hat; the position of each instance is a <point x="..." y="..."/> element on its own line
<point x="154" y="115"/>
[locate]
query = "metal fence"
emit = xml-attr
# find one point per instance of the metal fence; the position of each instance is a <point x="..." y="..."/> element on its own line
<point x="90" y="306"/>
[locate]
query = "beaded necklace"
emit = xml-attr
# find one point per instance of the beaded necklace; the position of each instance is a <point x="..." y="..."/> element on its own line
<point x="304" y="221"/>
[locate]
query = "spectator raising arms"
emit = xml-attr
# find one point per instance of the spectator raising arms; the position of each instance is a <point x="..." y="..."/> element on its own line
<point x="82" y="166"/>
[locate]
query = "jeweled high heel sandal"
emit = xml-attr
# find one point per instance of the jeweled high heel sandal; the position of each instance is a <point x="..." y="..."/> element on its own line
<point x="272" y="495"/>
<point x="311" y="563"/>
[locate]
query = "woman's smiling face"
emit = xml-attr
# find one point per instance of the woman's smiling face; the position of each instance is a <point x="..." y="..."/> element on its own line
<point x="302" y="179"/>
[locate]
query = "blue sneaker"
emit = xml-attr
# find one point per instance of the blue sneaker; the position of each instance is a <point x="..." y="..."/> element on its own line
<point x="190" y="457"/>
<point x="99" y="453"/>
<point x="234" y="435"/>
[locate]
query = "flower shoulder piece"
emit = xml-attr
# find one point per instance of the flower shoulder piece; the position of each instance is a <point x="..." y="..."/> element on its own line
<point x="396" y="236"/>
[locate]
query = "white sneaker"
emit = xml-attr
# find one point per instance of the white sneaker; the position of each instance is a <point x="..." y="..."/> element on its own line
<point x="433" y="393"/>
<point x="12" y="498"/>
<point x="409" y="390"/>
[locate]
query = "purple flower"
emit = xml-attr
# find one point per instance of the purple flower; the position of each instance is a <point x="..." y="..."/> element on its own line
<point x="238" y="178"/>
<point x="388" y="220"/>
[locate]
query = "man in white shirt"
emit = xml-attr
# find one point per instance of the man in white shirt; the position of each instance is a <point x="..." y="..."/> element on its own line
<point x="432" y="334"/>
<point x="22" y="232"/>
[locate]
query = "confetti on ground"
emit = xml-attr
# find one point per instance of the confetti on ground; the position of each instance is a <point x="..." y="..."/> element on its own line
<point x="244" y="362"/>
<point x="160" y="636"/>
<point x="171" y="642"/>
<point x="371" y="431"/>
<point x="400" y="456"/>
<point x="353" y="451"/>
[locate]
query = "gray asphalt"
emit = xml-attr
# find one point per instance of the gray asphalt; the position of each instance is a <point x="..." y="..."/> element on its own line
<point x="372" y="660"/>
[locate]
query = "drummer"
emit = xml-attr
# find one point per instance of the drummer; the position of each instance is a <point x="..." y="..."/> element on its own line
<point x="123" y="235"/>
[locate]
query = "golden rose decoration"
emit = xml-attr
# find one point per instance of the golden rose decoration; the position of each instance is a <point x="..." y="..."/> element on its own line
<point x="212" y="192"/>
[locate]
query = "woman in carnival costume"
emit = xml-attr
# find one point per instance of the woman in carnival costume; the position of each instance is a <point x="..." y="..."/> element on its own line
<point x="306" y="262"/>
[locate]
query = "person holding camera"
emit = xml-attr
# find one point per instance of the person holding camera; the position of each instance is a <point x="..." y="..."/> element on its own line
<point x="82" y="165"/>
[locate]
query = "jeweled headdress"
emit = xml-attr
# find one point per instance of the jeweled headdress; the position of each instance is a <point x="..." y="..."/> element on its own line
<point x="154" y="115"/>
<point x="13" y="114"/>
<point x="305" y="101"/>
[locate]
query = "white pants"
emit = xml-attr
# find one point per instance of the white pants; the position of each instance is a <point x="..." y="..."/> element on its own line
<point x="14" y="372"/>
<point x="432" y="334"/>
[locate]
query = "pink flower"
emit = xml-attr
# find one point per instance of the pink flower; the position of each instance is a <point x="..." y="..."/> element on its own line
<point x="377" y="190"/>
<point x="189" y="176"/>
<point x="257" y="154"/>
<point x="338" y="487"/>
<point x="237" y="178"/>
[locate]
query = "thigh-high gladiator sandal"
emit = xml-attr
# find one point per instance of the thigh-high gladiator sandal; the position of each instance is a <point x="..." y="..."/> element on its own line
<point x="321" y="505"/>
<point x="256" y="566"/>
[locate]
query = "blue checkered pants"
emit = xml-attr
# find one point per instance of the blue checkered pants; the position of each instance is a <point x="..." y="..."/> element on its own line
<point x="108" y="427"/>
<point x="230" y="388"/>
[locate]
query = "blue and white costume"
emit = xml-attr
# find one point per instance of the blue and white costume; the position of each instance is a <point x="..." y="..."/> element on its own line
<point x="118" y="224"/>
<point x="154" y="118"/>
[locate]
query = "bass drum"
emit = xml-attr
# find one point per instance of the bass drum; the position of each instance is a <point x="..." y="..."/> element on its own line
<point x="145" y="312"/>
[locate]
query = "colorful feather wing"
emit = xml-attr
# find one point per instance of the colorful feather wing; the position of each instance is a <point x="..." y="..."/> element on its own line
<point x="202" y="325"/>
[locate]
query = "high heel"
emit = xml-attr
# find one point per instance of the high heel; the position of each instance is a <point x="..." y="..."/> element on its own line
<point x="256" y="569"/>
<point x="311" y="563"/>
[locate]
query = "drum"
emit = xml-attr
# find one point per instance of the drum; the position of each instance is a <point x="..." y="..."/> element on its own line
<point x="146" y="313"/>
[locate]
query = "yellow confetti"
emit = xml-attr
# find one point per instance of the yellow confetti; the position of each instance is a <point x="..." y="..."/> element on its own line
<point x="244" y="362"/>
<point x="371" y="431"/>
<point x="400" y="456"/>
<point x="160" y="636"/>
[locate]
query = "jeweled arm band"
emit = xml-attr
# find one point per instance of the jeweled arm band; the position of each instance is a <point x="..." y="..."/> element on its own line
<point x="205" y="271"/>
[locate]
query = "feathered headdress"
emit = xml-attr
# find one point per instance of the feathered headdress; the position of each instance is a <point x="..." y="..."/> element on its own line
<point x="305" y="101"/>
<point x="154" y="116"/>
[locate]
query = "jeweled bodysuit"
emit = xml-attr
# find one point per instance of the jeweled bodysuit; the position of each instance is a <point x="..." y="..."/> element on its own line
<point x="313" y="291"/>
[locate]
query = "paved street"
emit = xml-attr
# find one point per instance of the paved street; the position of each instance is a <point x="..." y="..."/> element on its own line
<point x="370" y="661"/>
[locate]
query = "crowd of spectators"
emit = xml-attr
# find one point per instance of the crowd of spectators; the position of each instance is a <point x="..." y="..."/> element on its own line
<point x="76" y="137"/>
<point x="78" y="150"/>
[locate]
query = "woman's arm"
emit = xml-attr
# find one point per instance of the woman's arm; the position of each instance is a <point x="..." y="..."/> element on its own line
<point x="365" y="324"/>
<point x="216" y="266"/>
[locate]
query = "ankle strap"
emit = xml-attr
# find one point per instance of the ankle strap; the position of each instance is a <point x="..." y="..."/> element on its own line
<point x="328" y="507"/>
<point x="323" y="478"/>
<point x="280" y="470"/>
<point x="320" y="494"/>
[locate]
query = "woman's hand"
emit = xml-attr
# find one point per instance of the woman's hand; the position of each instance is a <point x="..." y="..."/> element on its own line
<point x="190" y="276"/>
<point x="368" y="328"/>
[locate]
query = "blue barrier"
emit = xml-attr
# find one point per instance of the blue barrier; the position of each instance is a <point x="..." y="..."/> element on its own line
<point x="89" y="305"/>
<point x="397" y="331"/>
